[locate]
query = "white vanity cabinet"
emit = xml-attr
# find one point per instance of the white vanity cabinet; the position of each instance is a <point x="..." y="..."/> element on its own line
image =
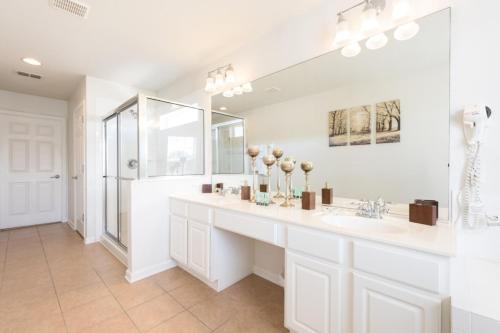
<point x="190" y="240"/>
<point x="334" y="283"/>
<point x="337" y="284"/>
<point x="312" y="295"/>
<point x="178" y="238"/>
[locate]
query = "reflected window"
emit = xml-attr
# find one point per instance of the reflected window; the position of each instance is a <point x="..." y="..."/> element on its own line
<point x="174" y="139"/>
<point x="227" y="144"/>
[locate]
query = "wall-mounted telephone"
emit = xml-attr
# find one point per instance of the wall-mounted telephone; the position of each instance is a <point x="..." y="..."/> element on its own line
<point x="475" y="118"/>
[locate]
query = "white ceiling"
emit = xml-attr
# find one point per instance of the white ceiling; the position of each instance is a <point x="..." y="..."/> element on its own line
<point x="428" y="49"/>
<point x="146" y="44"/>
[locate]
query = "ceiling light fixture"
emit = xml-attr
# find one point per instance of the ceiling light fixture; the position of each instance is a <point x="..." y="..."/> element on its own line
<point x="369" y="23"/>
<point x="406" y="31"/>
<point x="224" y="79"/>
<point x="342" y="34"/>
<point x="31" y="61"/>
<point x="376" y="41"/>
<point x="370" y="27"/>
<point x="351" y="50"/>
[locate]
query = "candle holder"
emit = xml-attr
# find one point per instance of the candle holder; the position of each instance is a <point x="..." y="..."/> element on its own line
<point x="287" y="166"/>
<point x="269" y="161"/>
<point x="253" y="152"/>
<point x="293" y="161"/>
<point x="307" y="167"/>
<point x="278" y="153"/>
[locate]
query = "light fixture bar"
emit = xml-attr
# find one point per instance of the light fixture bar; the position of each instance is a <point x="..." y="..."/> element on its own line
<point x="378" y="4"/>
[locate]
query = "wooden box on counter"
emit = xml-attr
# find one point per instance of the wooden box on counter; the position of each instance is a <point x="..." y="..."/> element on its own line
<point x="424" y="212"/>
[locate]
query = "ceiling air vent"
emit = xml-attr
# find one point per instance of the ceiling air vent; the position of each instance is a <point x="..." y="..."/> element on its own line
<point x="33" y="76"/>
<point x="72" y="7"/>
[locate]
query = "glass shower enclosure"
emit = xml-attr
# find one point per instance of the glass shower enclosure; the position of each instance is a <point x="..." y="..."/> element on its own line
<point x="146" y="137"/>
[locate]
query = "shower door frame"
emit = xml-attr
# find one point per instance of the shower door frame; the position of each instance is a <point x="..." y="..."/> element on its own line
<point x="116" y="113"/>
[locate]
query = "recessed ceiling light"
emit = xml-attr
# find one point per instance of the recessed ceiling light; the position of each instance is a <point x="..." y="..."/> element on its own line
<point x="223" y="108"/>
<point x="32" y="61"/>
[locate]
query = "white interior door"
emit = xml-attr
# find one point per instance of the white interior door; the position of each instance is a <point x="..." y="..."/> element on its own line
<point x="31" y="179"/>
<point x="78" y="176"/>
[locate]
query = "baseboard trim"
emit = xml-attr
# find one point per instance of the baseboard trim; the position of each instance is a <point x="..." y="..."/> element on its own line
<point x="72" y="224"/>
<point x="90" y="240"/>
<point x="269" y="276"/>
<point x="115" y="250"/>
<point x="149" y="271"/>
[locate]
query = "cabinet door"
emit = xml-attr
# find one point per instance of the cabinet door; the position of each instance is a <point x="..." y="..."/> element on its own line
<point x="380" y="307"/>
<point x="199" y="248"/>
<point x="178" y="239"/>
<point x="312" y="295"/>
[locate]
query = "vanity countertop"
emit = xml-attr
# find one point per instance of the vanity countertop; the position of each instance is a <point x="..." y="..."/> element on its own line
<point x="438" y="240"/>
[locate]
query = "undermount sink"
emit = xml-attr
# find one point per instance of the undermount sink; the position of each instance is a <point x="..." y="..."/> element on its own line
<point x="363" y="224"/>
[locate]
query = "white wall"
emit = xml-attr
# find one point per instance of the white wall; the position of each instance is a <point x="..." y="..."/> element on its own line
<point x="475" y="78"/>
<point x="302" y="132"/>
<point x="11" y="101"/>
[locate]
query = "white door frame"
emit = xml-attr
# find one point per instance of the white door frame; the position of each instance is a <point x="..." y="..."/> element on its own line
<point x="64" y="155"/>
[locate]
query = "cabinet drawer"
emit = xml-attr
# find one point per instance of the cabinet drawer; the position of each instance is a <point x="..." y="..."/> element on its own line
<point x="418" y="270"/>
<point x="265" y="230"/>
<point x="319" y="244"/>
<point x="178" y="207"/>
<point x="200" y="213"/>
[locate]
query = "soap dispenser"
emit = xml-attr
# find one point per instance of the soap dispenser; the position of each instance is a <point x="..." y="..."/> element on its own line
<point x="327" y="195"/>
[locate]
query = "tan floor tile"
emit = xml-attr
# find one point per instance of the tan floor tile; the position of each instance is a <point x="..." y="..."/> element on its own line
<point x="80" y="296"/>
<point x="41" y="281"/>
<point x="34" y="323"/>
<point x="182" y="323"/>
<point x="91" y="314"/>
<point x="216" y="310"/>
<point x="192" y="293"/>
<point x="4" y="235"/>
<point x="74" y="278"/>
<point x="117" y="324"/>
<point x="133" y="294"/>
<point x="25" y="303"/>
<point x="155" y="311"/>
<point x="173" y="278"/>
<point x="249" y="320"/>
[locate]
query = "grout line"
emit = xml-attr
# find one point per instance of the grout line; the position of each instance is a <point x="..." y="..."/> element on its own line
<point x="51" y="279"/>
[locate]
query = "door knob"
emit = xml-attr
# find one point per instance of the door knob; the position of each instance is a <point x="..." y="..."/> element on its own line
<point x="74" y="177"/>
<point x="56" y="177"/>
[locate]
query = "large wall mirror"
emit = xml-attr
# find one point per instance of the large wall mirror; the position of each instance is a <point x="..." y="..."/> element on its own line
<point x="228" y="144"/>
<point x="376" y="124"/>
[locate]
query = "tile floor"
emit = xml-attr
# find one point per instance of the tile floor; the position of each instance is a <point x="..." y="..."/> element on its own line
<point x="51" y="282"/>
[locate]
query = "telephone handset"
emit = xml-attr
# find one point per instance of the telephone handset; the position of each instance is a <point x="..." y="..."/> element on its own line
<point x="475" y="118"/>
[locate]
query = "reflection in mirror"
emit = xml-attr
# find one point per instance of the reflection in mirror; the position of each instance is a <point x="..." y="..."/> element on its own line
<point x="174" y="139"/>
<point x="373" y="125"/>
<point x="227" y="144"/>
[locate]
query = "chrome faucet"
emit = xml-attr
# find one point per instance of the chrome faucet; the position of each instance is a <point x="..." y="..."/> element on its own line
<point x="372" y="209"/>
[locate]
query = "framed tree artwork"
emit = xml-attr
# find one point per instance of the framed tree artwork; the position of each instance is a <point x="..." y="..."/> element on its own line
<point x="337" y="127"/>
<point x="388" y="121"/>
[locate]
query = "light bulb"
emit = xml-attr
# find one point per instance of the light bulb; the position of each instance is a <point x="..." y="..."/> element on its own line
<point x="342" y="35"/>
<point x="238" y="90"/>
<point x="401" y="10"/>
<point x="369" y="22"/>
<point x="406" y="31"/>
<point x="247" y="87"/>
<point x="351" y="50"/>
<point x="376" y="41"/>
<point x="219" y="79"/>
<point x="228" y="93"/>
<point x="230" y="77"/>
<point x="210" y="85"/>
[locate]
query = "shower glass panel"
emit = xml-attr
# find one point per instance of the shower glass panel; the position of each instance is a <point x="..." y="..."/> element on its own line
<point x="111" y="175"/>
<point x="128" y="167"/>
<point x="175" y="139"/>
<point x="121" y="167"/>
